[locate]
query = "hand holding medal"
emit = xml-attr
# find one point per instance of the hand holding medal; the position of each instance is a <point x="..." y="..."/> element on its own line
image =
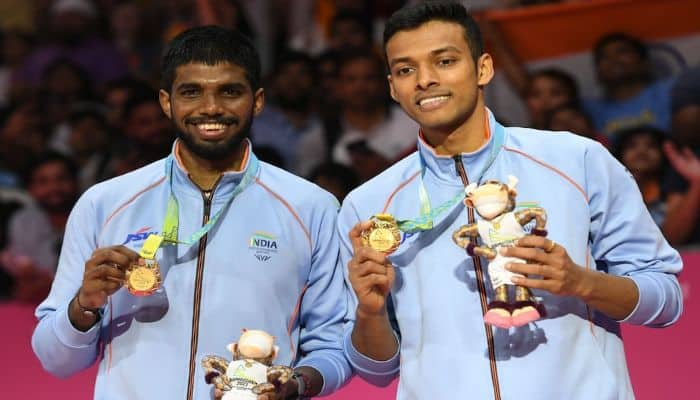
<point x="104" y="274"/>
<point x="143" y="276"/>
<point x="384" y="234"/>
<point x="370" y="272"/>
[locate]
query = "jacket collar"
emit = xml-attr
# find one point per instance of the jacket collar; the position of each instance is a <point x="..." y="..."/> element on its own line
<point x="443" y="167"/>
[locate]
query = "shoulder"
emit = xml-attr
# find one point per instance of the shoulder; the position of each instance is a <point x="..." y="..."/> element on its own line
<point x="549" y="144"/>
<point x="293" y="190"/>
<point x="126" y="186"/>
<point x="390" y="181"/>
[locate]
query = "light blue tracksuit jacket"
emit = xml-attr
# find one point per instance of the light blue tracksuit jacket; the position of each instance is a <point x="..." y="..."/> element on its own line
<point x="594" y="210"/>
<point x="269" y="263"/>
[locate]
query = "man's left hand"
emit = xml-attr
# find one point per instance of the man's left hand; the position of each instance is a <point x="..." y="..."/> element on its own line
<point x="544" y="257"/>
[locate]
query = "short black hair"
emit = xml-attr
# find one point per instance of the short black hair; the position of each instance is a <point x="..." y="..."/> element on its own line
<point x="412" y="17"/>
<point x="291" y="56"/>
<point x="210" y="45"/>
<point x="346" y="176"/>
<point x="359" y="18"/>
<point x="622" y="138"/>
<point x="574" y="106"/>
<point x="639" y="47"/>
<point x="561" y="76"/>
<point x="135" y="100"/>
<point x="353" y="54"/>
<point x="49" y="157"/>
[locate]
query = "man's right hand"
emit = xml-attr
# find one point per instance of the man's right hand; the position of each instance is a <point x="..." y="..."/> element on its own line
<point x="104" y="275"/>
<point x="370" y="273"/>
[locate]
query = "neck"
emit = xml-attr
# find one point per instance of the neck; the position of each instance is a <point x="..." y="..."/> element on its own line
<point x="364" y="120"/>
<point x="205" y="172"/>
<point x="625" y="90"/>
<point x="466" y="138"/>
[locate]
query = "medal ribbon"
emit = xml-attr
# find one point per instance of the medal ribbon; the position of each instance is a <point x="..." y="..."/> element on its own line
<point x="169" y="233"/>
<point x="427" y="214"/>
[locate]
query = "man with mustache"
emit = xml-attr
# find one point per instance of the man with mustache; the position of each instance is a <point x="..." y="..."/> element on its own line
<point x="207" y="241"/>
<point x="600" y="262"/>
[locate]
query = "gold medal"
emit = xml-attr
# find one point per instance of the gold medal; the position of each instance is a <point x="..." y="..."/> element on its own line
<point x="143" y="278"/>
<point x="384" y="235"/>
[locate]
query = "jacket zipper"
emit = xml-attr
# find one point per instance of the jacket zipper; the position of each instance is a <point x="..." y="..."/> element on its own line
<point x="459" y="167"/>
<point x="194" y="340"/>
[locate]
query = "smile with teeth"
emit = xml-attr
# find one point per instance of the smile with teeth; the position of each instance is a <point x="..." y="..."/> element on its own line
<point x="210" y="127"/>
<point x="431" y="102"/>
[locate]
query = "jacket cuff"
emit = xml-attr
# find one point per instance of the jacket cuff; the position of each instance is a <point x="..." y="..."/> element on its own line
<point x="648" y="306"/>
<point x="72" y="337"/>
<point x="369" y="366"/>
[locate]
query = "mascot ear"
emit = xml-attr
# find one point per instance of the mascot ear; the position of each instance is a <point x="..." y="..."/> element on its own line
<point x="233" y="348"/>
<point x="470" y="188"/>
<point x="275" y="350"/>
<point x="512" y="181"/>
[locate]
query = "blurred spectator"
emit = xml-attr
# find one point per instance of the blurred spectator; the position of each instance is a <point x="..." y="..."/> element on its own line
<point x="318" y="25"/>
<point x="365" y="114"/>
<point x="350" y="30"/>
<point x="147" y="135"/>
<point x="117" y="93"/>
<point x="548" y="89"/>
<point x="366" y="161"/>
<point x="22" y="138"/>
<point x="683" y="185"/>
<point x="327" y="74"/>
<point x="640" y="151"/>
<point x="11" y="200"/>
<point x="15" y="48"/>
<point x="542" y="90"/>
<point x="73" y="37"/>
<point x="64" y="84"/>
<point x="35" y="232"/>
<point x="335" y="178"/>
<point x="129" y="35"/>
<point x="631" y="96"/>
<point x="89" y="144"/>
<point x="288" y="114"/>
<point x="572" y="118"/>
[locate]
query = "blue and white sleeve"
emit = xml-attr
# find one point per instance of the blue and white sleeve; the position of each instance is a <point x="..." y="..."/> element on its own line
<point x="323" y="305"/>
<point x="62" y="349"/>
<point x="628" y="243"/>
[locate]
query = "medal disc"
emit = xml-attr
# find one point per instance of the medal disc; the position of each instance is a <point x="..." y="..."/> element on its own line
<point x="384" y="235"/>
<point x="143" y="278"/>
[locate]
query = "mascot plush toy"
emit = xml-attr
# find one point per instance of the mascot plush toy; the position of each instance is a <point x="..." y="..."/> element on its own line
<point x="499" y="227"/>
<point x="248" y="374"/>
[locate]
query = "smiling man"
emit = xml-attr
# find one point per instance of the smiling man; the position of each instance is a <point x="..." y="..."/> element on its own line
<point x="231" y="243"/>
<point x="602" y="261"/>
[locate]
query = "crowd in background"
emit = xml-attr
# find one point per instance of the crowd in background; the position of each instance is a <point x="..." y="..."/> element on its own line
<point x="79" y="104"/>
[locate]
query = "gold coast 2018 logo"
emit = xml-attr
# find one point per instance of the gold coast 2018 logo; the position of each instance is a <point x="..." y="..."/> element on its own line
<point x="263" y="245"/>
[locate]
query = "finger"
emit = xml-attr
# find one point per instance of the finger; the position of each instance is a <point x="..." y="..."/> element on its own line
<point x="367" y="254"/>
<point x="546" y="272"/>
<point x="531" y="254"/>
<point x="532" y="283"/>
<point x="106" y="272"/>
<point x="368" y="267"/>
<point x="355" y="234"/>
<point x="375" y="281"/>
<point x="533" y="241"/>
<point x="98" y="288"/>
<point x="119" y="256"/>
